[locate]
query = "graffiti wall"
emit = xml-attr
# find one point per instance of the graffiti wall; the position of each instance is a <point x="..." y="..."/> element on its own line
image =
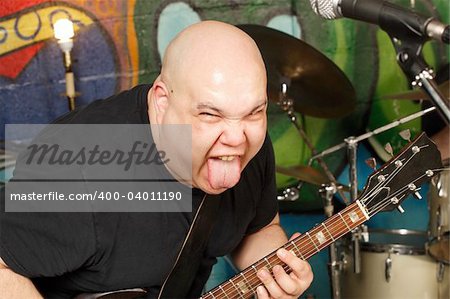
<point x="119" y="43"/>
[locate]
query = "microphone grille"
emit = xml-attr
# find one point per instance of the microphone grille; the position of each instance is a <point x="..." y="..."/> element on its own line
<point x="327" y="9"/>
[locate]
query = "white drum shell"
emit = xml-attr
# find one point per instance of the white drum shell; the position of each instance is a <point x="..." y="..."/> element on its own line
<point x="413" y="274"/>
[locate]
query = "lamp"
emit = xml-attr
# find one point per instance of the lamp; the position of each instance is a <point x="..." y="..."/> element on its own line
<point x="63" y="31"/>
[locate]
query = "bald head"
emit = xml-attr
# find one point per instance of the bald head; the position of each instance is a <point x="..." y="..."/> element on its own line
<point x="213" y="78"/>
<point x="208" y="52"/>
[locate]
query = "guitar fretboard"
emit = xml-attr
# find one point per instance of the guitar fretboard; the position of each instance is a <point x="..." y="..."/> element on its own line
<point x="244" y="284"/>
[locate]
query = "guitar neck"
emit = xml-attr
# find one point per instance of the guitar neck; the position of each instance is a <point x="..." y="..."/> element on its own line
<point x="244" y="284"/>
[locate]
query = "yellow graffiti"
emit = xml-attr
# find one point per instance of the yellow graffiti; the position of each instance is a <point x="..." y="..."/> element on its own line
<point x="26" y="29"/>
<point x="132" y="46"/>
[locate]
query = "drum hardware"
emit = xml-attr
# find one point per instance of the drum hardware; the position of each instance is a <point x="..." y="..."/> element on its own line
<point x="372" y="133"/>
<point x="289" y="194"/>
<point x="388" y="268"/>
<point x="419" y="94"/>
<point x="440" y="272"/>
<point x="335" y="265"/>
<point x="287" y="104"/>
<point x="438" y="245"/>
<point x="351" y="143"/>
<point x="410" y="58"/>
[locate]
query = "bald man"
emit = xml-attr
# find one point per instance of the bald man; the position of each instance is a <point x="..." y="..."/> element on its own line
<point x="213" y="78"/>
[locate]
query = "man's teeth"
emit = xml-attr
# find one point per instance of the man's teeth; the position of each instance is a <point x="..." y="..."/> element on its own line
<point x="226" y="158"/>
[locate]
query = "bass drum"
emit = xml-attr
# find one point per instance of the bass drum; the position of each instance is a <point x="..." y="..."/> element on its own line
<point x="291" y="150"/>
<point x="394" y="265"/>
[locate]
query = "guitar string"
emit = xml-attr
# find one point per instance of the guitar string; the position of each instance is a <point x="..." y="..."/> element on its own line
<point x="371" y="194"/>
<point x="232" y="291"/>
<point x="310" y="250"/>
<point x="307" y="250"/>
<point x="313" y="249"/>
<point x="375" y="210"/>
<point x="392" y="175"/>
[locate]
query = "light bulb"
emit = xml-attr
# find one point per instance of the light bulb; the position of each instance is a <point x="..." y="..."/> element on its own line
<point x="63" y="29"/>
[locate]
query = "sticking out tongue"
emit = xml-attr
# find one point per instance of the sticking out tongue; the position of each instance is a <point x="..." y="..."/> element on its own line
<point x="223" y="174"/>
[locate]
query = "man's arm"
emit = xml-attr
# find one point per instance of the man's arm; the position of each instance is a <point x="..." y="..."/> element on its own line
<point x="13" y="285"/>
<point x="281" y="285"/>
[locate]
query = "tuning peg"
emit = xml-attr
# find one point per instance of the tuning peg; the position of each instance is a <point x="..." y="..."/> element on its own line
<point x="400" y="209"/>
<point x="372" y="163"/>
<point x="406" y="135"/>
<point x="417" y="195"/>
<point x="388" y="149"/>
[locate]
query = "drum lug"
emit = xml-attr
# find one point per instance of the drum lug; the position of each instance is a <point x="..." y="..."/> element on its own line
<point x="289" y="194"/>
<point x="388" y="268"/>
<point x="440" y="272"/>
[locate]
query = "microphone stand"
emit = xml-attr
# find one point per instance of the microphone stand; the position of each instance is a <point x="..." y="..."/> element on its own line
<point x="410" y="59"/>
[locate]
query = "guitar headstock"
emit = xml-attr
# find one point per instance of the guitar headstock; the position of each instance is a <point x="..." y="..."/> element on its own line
<point x="416" y="164"/>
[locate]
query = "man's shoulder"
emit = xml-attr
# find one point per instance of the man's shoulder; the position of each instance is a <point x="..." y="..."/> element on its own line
<point x="128" y="106"/>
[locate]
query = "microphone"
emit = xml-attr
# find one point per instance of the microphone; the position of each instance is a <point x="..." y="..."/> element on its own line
<point x="397" y="21"/>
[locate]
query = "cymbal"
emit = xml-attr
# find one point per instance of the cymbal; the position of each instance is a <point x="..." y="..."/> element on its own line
<point x="419" y="94"/>
<point x="304" y="173"/>
<point x="317" y="86"/>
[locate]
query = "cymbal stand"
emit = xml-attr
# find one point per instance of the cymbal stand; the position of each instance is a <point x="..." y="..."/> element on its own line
<point x="352" y="145"/>
<point x="335" y="265"/>
<point x="287" y="104"/>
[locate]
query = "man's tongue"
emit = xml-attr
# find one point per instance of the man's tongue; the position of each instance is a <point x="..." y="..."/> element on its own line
<point x="223" y="174"/>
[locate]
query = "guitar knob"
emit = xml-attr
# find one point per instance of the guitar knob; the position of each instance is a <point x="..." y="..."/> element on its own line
<point x="400" y="209"/>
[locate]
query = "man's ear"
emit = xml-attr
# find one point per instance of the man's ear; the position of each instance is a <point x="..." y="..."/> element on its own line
<point x="160" y="99"/>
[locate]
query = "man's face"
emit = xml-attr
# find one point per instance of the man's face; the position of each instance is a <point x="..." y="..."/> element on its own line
<point x="229" y="124"/>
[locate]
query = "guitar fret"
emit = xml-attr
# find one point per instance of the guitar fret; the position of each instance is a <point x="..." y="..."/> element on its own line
<point x="326" y="228"/>
<point x="268" y="263"/>
<point x="254" y="268"/>
<point x="237" y="289"/>
<point x="312" y="241"/>
<point x="298" y="250"/>
<point x="345" y="222"/>
<point x="246" y="287"/>
<point x="363" y="210"/>
<point x="214" y="297"/>
<point x="220" y="287"/>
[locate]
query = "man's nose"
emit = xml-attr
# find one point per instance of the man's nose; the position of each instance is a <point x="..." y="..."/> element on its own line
<point x="233" y="134"/>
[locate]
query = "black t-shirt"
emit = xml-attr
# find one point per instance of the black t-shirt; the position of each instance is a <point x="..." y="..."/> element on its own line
<point x="69" y="253"/>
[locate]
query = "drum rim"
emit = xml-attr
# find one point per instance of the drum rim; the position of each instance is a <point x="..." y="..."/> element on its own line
<point x="403" y="249"/>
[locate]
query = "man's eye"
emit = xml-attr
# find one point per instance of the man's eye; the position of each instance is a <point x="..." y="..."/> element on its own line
<point x="257" y="113"/>
<point x="208" y="114"/>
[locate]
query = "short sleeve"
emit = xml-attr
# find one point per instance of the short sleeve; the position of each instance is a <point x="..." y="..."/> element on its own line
<point x="267" y="205"/>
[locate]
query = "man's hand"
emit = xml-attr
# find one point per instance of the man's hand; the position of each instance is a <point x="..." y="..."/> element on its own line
<point x="281" y="284"/>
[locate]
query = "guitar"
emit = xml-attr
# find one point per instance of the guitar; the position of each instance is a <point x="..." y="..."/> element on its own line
<point x="385" y="189"/>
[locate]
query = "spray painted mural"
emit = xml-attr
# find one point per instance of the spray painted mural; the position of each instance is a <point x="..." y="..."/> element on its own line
<point x="119" y="43"/>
